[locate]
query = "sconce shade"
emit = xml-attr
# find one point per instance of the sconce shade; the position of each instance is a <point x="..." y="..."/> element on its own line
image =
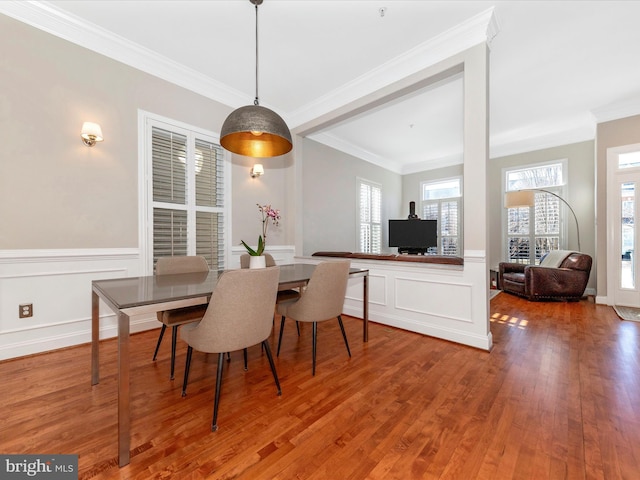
<point x="91" y="134"/>
<point x="256" y="131"/>
<point x="257" y="170"/>
<point x="519" y="198"/>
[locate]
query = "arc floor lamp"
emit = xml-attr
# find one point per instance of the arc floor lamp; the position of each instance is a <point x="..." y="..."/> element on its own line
<point x="527" y="198"/>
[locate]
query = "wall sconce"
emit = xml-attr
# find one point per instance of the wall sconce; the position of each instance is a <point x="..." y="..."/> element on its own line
<point x="91" y="134"/>
<point x="257" y="170"/>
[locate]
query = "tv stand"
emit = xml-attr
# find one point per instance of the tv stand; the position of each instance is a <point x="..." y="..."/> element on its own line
<point x="412" y="251"/>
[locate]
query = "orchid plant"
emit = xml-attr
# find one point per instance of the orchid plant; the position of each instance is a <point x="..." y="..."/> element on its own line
<point x="269" y="215"/>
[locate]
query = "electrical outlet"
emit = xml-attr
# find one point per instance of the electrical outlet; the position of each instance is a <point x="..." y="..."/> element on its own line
<point x="26" y="310"/>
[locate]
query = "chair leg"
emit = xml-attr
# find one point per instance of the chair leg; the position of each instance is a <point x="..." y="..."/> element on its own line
<point x="298" y="327"/>
<point x="344" y="335"/>
<point x="314" y="344"/>
<point x="174" y="340"/>
<point x="280" y="336"/>
<point x="244" y="353"/>
<point x="216" y="400"/>
<point x="155" y="354"/>
<point x="186" y="370"/>
<point x="267" y="349"/>
<point x="228" y="357"/>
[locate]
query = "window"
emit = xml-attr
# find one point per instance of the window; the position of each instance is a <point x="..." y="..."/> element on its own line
<point x="185" y="192"/>
<point x="442" y="201"/>
<point x="370" y="226"/>
<point x="540" y="225"/>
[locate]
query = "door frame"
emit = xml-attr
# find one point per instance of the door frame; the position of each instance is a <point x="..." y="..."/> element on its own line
<point x="613" y="224"/>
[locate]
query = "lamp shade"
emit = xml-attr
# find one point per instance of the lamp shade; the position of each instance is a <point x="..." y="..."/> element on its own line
<point x="257" y="170"/>
<point x="519" y="198"/>
<point x="91" y="133"/>
<point x="256" y="131"/>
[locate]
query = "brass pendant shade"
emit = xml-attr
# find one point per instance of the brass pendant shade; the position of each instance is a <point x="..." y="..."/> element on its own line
<point x="256" y="131"/>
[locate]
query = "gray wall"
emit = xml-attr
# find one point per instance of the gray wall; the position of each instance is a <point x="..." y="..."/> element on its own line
<point x="55" y="193"/>
<point x="329" y="197"/>
<point x="273" y="189"/>
<point x="411" y="191"/>
<point x="580" y="195"/>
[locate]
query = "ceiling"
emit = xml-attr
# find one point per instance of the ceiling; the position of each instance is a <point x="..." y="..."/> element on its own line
<point x="556" y="67"/>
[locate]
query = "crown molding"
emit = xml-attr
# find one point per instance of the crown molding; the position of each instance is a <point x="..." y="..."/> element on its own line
<point x="449" y="43"/>
<point x="455" y="159"/>
<point x="480" y="28"/>
<point x="46" y="17"/>
<point x="355" y="151"/>
<point x="617" y="111"/>
<point x="542" y="140"/>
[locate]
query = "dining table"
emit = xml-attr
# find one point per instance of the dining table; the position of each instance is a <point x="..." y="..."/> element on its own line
<point x="137" y="296"/>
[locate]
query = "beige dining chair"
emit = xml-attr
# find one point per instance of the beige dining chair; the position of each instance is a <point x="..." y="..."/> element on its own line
<point x="179" y="316"/>
<point x="322" y="300"/>
<point x="283" y="295"/>
<point x="239" y="315"/>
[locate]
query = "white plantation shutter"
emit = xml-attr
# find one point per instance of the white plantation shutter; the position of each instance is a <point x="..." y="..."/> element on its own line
<point x="450" y="226"/>
<point x="369" y="206"/>
<point x="442" y="201"/>
<point x="188" y="195"/>
<point x="532" y="232"/>
<point x="169" y="167"/>
<point x="376" y="220"/>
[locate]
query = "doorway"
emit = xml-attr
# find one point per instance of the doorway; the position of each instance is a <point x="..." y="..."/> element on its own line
<point x="623" y="214"/>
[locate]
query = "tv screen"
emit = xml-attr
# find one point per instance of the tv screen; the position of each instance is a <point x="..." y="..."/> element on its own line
<point x="420" y="234"/>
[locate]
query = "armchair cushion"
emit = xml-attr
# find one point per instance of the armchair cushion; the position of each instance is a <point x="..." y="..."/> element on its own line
<point x="565" y="282"/>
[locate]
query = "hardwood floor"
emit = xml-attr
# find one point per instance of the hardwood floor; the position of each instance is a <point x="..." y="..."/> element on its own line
<point x="558" y="397"/>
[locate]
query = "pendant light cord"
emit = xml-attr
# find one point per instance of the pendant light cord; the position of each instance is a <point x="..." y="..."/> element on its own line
<point x="255" y="101"/>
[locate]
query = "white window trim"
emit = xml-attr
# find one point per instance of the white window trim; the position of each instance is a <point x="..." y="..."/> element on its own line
<point x="145" y="193"/>
<point x="563" y="191"/>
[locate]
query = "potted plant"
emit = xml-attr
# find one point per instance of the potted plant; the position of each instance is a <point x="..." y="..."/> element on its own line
<point x="268" y="214"/>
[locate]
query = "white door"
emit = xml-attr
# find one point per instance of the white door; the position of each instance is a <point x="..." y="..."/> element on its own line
<point x="623" y="217"/>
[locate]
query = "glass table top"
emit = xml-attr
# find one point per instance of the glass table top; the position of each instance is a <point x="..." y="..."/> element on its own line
<point x="137" y="291"/>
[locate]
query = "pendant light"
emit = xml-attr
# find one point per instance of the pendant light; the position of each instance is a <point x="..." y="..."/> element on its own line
<point x="256" y="131"/>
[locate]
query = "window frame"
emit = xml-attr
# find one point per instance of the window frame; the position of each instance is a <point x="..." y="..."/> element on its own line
<point x="561" y="190"/>
<point x="440" y="201"/>
<point x="146" y="121"/>
<point x="359" y="183"/>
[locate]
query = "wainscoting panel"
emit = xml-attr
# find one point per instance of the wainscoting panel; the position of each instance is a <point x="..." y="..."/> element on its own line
<point x="377" y="290"/>
<point x="58" y="285"/>
<point x="443" y="301"/>
<point x="411" y="294"/>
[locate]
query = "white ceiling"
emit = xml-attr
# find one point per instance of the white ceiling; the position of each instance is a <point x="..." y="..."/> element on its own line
<point x="556" y="66"/>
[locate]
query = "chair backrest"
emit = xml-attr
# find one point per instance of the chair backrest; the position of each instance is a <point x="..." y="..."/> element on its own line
<point x="240" y="312"/>
<point x="578" y="261"/>
<point x="323" y="298"/>
<point x="174" y="265"/>
<point x="245" y="258"/>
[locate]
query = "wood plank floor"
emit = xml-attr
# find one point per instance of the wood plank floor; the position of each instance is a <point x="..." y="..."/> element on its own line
<point x="558" y="397"/>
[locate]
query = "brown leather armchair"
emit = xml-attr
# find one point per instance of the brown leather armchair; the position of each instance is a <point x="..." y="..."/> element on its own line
<point x="565" y="282"/>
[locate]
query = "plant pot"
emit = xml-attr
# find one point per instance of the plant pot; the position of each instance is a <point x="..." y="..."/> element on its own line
<point x="257" y="261"/>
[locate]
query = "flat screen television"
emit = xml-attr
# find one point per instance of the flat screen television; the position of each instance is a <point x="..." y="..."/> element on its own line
<point x="413" y="235"/>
